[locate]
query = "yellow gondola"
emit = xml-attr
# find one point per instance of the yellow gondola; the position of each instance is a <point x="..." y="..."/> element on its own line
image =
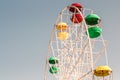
<point x="102" y="71"/>
<point x="62" y="35"/>
<point x="61" y="26"/>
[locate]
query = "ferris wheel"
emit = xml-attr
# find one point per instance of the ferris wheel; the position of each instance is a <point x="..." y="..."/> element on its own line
<point x="77" y="46"/>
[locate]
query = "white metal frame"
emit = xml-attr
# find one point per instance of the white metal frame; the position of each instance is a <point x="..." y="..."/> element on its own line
<point x="75" y="54"/>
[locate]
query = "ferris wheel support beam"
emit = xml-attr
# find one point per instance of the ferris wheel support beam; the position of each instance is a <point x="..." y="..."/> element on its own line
<point x="84" y="75"/>
<point x="100" y="53"/>
<point x="105" y="50"/>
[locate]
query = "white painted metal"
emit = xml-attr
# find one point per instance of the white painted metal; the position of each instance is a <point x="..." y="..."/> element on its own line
<point x="78" y="55"/>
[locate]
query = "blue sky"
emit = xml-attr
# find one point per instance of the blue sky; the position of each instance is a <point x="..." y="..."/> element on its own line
<point x="25" y="27"/>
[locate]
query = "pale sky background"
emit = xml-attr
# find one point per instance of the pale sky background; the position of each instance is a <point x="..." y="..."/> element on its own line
<point x="25" y="27"/>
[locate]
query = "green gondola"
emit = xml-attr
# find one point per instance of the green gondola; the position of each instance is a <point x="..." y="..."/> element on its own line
<point x="92" y="19"/>
<point x="94" y="32"/>
<point x="53" y="60"/>
<point x="53" y="70"/>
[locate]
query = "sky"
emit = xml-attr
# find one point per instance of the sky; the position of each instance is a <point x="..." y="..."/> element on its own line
<point x="25" y="27"/>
